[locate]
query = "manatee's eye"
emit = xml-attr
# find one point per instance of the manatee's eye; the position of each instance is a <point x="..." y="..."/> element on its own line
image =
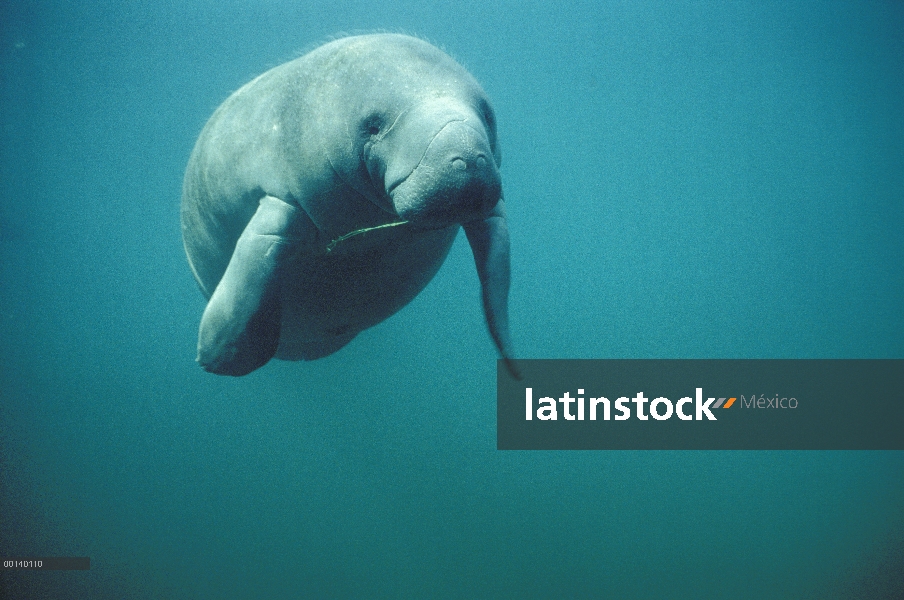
<point x="373" y="125"/>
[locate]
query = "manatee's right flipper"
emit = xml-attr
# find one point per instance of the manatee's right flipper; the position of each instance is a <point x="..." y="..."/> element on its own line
<point x="489" y="240"/>
<point x="240" y="328"/>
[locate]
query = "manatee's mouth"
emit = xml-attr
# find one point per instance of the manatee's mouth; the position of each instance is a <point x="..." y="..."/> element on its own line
<point x="392" y="186"/>
<point x="455" y="178"/>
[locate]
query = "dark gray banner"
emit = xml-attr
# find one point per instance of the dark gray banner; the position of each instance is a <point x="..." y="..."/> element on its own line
<point x="725" y="404"/>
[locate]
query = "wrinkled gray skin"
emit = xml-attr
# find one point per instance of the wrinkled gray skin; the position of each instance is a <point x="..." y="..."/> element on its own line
<point x="361" y="132"/>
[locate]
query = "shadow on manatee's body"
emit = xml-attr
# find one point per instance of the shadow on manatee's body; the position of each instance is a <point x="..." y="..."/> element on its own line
<point x="324" y="195"/>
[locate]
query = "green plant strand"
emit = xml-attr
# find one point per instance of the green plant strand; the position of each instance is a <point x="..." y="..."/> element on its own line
<point x="332" y="245"/>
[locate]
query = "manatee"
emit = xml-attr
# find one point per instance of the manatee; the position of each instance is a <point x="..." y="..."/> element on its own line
<point x="324" y="195"/>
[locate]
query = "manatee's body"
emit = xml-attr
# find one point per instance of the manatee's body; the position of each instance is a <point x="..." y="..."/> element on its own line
<point x="362" y="132"/>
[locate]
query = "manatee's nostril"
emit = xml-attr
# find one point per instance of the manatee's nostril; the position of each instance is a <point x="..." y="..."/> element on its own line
<point x="481" y="162"/>
<point x="459" y="164"/>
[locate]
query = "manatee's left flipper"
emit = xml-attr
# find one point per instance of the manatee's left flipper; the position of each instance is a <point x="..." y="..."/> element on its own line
<point x="489" y="240"/>
<point x="240" y="328"/>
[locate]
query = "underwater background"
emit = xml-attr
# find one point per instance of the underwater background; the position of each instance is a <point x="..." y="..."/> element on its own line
<point x="683" y="180"/>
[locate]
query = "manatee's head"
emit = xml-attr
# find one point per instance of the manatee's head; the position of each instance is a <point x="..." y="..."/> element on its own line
<point x="437" y="162"/>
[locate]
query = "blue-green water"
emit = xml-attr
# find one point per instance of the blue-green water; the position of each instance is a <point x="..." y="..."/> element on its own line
<point x="683" y="180"/>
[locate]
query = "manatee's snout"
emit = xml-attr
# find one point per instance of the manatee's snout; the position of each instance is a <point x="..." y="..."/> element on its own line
<point x="455" y="181"/>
